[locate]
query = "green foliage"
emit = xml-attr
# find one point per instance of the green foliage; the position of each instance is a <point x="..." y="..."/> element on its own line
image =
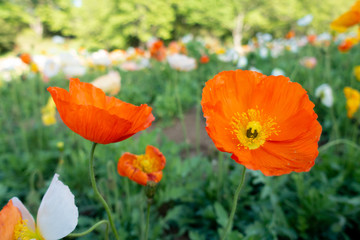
<point x="12" y="21"/>
<point x="114" y="24"/>
<point x="195" y="194"/>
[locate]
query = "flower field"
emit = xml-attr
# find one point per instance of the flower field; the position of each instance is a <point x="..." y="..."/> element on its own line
<point x="184" y="139"/>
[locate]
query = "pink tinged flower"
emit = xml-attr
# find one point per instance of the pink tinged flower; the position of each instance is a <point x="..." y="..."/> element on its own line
<point x="308" y="62"/>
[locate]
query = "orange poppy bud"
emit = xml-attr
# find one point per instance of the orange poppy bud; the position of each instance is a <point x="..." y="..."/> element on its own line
<point x="142" y="168"/>
<point x="26" y="58"/>
<point x="86" y="110"/>
<point x="204" y="59"/>
<point x="266" y="122"/>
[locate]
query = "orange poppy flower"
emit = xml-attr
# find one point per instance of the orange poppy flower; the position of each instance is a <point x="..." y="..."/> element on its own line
<point x="290" y="34"/>
<point x="266" y="122"/>
<point x="347" y="44"/>
<point x="348" y="19"/>
<point x="142" y="168"/>
<point x="311" y="38"/>
<point x="158" y="50"/>
<point x="86" y="110"/>
<point x="26" y="58"/>
<point x="204" y="59"/>
<point x="10" y="216"/>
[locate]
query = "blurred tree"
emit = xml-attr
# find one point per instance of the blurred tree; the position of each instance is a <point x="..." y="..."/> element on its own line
<point x="12" y="20"/>
<point x="116" y="24"/>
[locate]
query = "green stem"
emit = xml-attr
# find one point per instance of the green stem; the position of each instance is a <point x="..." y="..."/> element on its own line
<point x="147" y="219"/>
<point x="220" y="174"/>
<point x="335" y="125"/>
<point x="336" y="142"/>
<point x="181" y="114"/>
<point x="234" y="204"/>
<point x="73" y="235"/>
<point x="97" y="193"/>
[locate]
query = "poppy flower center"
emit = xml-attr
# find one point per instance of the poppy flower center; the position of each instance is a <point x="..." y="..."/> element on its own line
<point x="253" y="128"/>
<point x="23" y="232"/>
<point x="145" y="164"/>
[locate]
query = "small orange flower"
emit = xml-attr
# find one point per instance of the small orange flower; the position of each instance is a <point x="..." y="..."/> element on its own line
<point x="10" y="216"/>
<point x="158" y="50"/>
<point x="26" y="58"/>
<point x="86" y="110"/>
<point x="204" y="59"/>
<point x="142" y="168"/>
<point x="348" y="19"/>
<point x="266" y="122"/>
<point x="290" y="34"/>
<point x="311" y="38"/>
<point x="346" y="45"/>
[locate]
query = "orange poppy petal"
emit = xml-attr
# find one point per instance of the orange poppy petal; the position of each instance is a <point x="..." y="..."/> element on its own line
<point x="217" y="128"/>
<point x="277" y="158"/>
<point x="86" y="94"/>
<point x="9" y="217"/>
<point x="280" y="97"/>
<point x="125" y="164"/>
<point x="92" y="123"/>
<point x="348" y="19"/>
<point x="87" y="111"/>
<point x="233" y="89"/>
<point x="158" y="158"/>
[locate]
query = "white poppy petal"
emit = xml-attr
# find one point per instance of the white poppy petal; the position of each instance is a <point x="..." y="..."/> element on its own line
<point x="58" y="214"/>
<point x="25" y="214"/>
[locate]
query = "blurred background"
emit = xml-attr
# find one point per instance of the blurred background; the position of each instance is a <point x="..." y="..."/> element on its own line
<point x="113" y="24"/>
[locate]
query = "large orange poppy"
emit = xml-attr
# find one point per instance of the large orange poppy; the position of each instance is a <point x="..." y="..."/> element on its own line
<point x="86" y="110"/>
<point x="348" y="19"/>
<point x="266" y="122"/>
<point x="142" y="168"/>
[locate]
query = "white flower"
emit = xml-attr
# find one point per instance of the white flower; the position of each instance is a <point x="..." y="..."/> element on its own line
<point x="252" y="68"/>
<point x="74" y="70"/>
<point x="277" y="72"/>
<point x="101" y="58"/>
<point x="324" y="37"/>
<point x="58" y="39"/>
<point x="302" y="41"/>
<point x="117" y="56"/>
<point x="187" y="38"/>
<point x="230" y="56"/>
<point x="181" y="62"/>
<point x="109" y="83"/>
<point x="51" y="68"/>
<point x="305" y="20"/>
<point x="263" y="52"/>
<point x="57" y="216"/>
<point x="324" y="92"/>
<point x="242" y="62"/>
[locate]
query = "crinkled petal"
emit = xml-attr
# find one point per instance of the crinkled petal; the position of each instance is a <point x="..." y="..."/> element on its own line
<point x="157" y="158"/>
